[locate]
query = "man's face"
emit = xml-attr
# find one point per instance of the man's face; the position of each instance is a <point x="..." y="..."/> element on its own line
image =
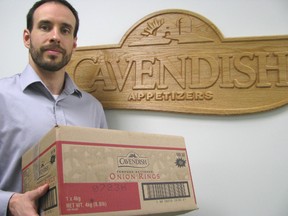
<point x="51" y="41"/>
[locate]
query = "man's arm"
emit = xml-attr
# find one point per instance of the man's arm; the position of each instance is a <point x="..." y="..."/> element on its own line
<point x="4" y="200"/>
<point x="26" y="203"/>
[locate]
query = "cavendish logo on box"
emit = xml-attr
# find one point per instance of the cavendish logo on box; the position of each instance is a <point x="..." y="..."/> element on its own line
<point x="133" y="160"/>
<point x="178" y="61"/>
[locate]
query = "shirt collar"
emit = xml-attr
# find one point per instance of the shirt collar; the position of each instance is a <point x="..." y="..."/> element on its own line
<point x="70" y="87"/>
<point x="29" y="76"/>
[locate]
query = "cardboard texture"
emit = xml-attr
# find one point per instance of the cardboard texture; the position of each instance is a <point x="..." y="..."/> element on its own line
<point x="109" y="172"/>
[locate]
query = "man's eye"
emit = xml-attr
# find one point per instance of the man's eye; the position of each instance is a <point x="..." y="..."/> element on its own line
<point x="44" y="27"/>
<point x="66" y="31"/>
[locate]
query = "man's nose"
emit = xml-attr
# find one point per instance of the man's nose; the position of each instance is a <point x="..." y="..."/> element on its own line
<point x="55" y="36"/>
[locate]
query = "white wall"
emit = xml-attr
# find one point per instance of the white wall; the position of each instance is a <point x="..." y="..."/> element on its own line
<point x="239" y="163"/>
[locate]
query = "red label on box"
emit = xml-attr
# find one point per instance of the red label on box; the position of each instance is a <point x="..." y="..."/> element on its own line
<point x="79" y="198"/>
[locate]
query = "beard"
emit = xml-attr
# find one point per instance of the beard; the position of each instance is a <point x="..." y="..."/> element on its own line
<point x="52" y="64"/>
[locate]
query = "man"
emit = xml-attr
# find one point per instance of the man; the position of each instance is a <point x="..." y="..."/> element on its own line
<point x="39" y="98"/>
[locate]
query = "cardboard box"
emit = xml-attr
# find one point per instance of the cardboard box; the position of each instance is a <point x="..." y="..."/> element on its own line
<point x="109" y="172"/>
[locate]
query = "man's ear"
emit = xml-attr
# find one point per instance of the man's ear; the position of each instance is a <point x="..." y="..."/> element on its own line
<point x="26" y="38"/>
<point x="75" y="43"/>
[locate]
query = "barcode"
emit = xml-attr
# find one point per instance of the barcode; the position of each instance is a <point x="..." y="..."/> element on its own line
<point x="49" y="200"/>
<point x="165" y="190"/>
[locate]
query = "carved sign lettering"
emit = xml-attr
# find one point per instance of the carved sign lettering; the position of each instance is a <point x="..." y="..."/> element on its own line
<point x="178" y="61"/>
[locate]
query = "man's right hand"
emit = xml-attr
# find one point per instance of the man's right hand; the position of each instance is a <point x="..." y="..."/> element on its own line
<point x="26" y="204"/>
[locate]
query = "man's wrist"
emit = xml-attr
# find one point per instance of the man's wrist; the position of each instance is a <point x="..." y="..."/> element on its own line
<point x="9" y="204"/>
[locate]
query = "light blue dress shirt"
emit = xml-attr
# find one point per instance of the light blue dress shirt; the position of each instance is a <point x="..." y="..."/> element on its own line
<point x="27" y="112"/>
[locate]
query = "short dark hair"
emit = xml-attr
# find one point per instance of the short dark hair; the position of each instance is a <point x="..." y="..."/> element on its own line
<point x="29" y="17"/>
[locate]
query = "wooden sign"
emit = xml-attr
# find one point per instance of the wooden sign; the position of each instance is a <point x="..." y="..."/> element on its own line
<point x="178" y="61"/>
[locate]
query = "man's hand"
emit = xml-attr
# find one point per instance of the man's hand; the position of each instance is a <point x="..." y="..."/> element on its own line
<point x="25" y="204"/>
